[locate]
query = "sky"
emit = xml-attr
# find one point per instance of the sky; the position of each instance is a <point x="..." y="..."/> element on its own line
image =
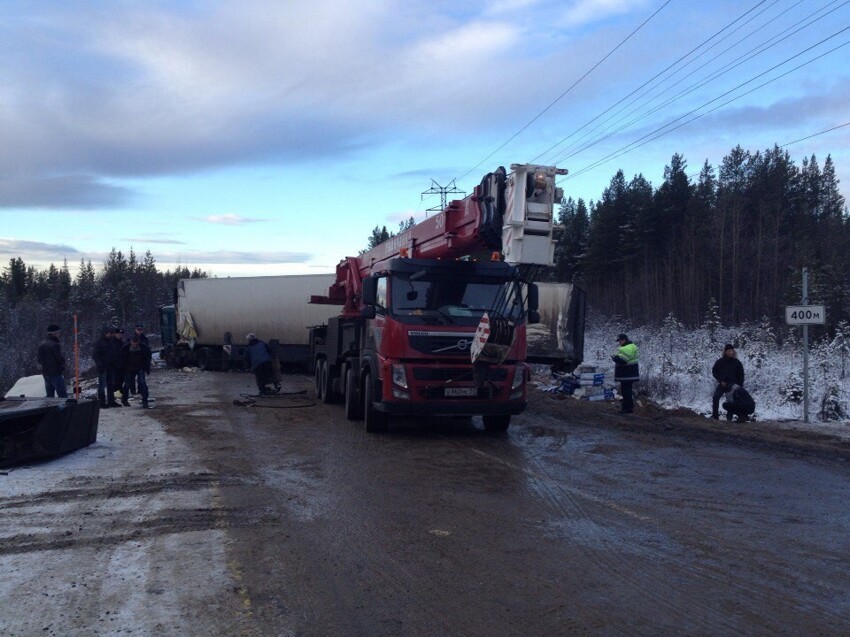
<point x="265" y="137"/>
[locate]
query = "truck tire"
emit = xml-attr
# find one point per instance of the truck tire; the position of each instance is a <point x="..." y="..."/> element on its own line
<point x="373" y="420"/>
<point x="318" y="378"/>
<point x="203" y="359"/>
<point x="497" y="424"/>
<point x="353" y="405"/>
<point x="328" y="396"/>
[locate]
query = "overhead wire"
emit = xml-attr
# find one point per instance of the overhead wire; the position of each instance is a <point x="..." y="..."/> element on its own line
<point x="648" y="82"/>
<point x="744" y="58"/>
<point x="660" y="132"/>
<point x="818" y="134"/>
<point x="570" y="88"/>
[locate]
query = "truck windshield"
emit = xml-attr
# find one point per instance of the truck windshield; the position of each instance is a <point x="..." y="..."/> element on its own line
<point x="437" y="299"/>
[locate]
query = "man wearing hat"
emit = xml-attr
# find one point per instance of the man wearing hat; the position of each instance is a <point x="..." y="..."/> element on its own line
<point x="727" y="371"/>
<point x="103" y="354"/>
<point x="52" y="363"/>
<point x="626" y="371"/>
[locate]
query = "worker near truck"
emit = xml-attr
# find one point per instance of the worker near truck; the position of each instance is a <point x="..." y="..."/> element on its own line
<point x="52" y="363"/>
<point x="626" y="371"/>
<point x="103" y="354"/>
<point x="727" y="371"/>
<point x="137" y="362"/>
<point x="259" y="358"/>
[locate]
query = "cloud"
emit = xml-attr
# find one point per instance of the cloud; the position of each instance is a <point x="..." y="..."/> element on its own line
<point x="38" y="250"/>
<point x="154" y="240"/>
<point x="213" y="257"/>
<point x="68" y="191"/>
<point x="147" y="90"/>
<point x="584" y="12"/>
<point x="229" y="219"/>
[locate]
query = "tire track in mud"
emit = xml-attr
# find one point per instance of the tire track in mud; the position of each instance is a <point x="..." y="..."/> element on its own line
<point x="571" y="504"/>
<point x="98" y="488"/>
<point x="706" y="549"/>
<point x="94" y="527"/>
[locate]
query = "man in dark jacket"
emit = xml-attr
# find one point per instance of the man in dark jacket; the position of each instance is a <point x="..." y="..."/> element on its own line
<point x="137" y="360"/>
<point x="739" y="403"/>
<point x="626" y="371"/>
<point x="139" y="331"/>
<point x="52" y="363"/>
<point x="727" y="371"/>
<point x="259" y="358"/>
<point x="103" y="354"/>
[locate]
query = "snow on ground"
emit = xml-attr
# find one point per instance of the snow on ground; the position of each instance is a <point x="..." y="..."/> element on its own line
<point x="97" y="534"/>
<point x="676" y="370"/>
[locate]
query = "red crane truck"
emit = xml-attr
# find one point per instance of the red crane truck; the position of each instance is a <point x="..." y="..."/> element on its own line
<point x="433" y="320"/>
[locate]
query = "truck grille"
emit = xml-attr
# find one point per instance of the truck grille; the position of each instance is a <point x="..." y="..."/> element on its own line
<point x="442" y="343"/>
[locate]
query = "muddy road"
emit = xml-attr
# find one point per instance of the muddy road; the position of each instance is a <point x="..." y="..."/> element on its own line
<point x="203" y="517"/>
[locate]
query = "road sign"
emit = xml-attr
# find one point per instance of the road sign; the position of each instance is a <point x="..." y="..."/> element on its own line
<point x="805" y="315"/>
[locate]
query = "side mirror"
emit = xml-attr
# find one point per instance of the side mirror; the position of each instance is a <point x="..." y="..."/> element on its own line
<point x="370" y="290"/>
<point x="368" y="312"/>
<point x="533" y="298"/>
<point x="533" y="316"/>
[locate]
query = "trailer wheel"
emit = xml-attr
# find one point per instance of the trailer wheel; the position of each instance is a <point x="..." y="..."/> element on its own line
<point x="497" y="424"/>
<point x="353" y="406"/>
<point x="328" y="396"/>
<point x="203" y="359"/>
<point x="374" y="420"/>
<point x="318" y="377"/>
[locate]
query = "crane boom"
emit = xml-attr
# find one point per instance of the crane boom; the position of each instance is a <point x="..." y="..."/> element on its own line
<point x="508" y="213"/>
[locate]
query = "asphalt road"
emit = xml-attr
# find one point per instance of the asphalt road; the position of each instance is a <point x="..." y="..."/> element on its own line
<point x="287" y="519"/>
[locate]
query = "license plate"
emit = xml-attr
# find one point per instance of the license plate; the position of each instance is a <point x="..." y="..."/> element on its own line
<point x="461" y="391"/>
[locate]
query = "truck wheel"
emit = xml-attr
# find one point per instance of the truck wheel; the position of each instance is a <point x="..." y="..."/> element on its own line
<point x="202" y="359"/>
<point x="373" y="420"/>
<point x="353" y="406"/>
<point x="497" y="424"/>
<point x="327" y="385"/>
<point x="318" y="375"/>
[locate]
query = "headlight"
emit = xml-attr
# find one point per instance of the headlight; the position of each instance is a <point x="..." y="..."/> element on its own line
<point x="519" y="375"/>
<point x="399" y="375"/>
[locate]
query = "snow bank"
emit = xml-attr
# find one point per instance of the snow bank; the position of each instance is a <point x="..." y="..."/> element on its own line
<point x="32" y="386"/>
<point x="676" y="367"/>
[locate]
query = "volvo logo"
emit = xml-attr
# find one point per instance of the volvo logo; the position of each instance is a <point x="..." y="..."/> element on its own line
<point x="461" y="345"/>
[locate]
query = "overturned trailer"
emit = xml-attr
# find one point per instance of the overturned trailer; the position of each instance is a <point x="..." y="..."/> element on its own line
<point x="558" y="339"/>
<point x="207" y="324"/>
<point x="39" y="428"/>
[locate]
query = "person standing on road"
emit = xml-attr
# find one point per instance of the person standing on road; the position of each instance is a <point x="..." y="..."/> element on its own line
<point x="259" y="358"/>
<point x="103" y="354"/>
<point x="137" y="361"/>
<point x="52" y="363"/>
<point x="626" y="371"/>
<point x="727" y="371"/>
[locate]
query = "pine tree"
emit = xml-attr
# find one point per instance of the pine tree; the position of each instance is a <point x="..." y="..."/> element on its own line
<point x="711" y="321"/>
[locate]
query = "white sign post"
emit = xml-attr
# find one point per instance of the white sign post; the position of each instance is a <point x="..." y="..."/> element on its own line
<point x="805" y="315"/>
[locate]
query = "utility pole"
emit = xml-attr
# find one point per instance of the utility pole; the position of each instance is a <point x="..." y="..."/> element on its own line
<point x="437" y="189"/>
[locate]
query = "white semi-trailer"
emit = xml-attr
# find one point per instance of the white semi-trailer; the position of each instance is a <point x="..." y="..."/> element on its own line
<point x="558" y="339"/>
<point x="208" y="322"/>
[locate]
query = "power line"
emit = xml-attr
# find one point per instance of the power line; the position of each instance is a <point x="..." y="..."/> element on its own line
<point x="652" y="136"/>
<point x="571" y="87"/>
<point x="699" y="84"/>
<point x="683" y="57"/>
<point x="823" y="132"/>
